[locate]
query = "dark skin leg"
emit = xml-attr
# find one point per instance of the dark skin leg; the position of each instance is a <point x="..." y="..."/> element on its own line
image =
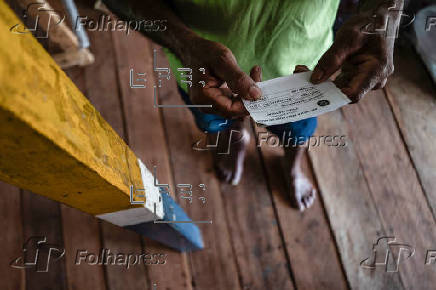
<point x="301" y="189"/>
<point x="229" y="163"/>
<point x="230" y="154"/>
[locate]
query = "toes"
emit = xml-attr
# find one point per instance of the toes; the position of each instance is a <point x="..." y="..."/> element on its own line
<point x="225" y="175"/>
<point x="312" y="195"/>
<point x="237" y="173"/>
<point x="222" y="174"/>
<point x="302" y="193"/>
<point x="229" y="167"/>
<point x="304" y="203"/>
<point x="308" y="199"/>
<point x="235" y="182"/>
<point x="301" y="206"/>
<point x="235" y="179"/>
<point x="219" y="173"/>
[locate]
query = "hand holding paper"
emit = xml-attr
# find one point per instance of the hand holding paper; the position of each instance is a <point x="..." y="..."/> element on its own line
<point x="293" y="98"/>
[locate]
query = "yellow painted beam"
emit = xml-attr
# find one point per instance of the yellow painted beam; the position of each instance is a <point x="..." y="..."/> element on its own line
<point x="52" y="140"/>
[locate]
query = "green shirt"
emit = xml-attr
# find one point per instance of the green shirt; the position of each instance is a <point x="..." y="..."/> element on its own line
<point x="275" y="34"/>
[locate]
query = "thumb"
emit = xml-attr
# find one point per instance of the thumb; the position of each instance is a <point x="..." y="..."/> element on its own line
<point x="300" y="68"/>
<point x="238" y="81"/>
<point x="256" y="73"/>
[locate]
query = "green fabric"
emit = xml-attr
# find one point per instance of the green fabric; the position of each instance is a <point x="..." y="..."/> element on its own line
<point x="275" y="34"/>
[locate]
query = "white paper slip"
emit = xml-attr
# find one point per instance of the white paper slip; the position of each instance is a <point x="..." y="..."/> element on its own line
<point x="293" y="98"/>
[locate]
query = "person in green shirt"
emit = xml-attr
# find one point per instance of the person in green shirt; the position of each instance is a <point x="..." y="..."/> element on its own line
<point x="238" y="43"/>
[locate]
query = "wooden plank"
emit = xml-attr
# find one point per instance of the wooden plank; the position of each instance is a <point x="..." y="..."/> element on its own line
<point x="309" y="243"/>
<point x="41" y="217"/>
<point x="394" y="185"/>
<point x="56" y="143"/>
<point x="349" y="205"/>
<point x="411" y="94"/>
<point x="254" y="229"/>
<point x="11" y="239"/>
<point x="215" y="266"/>
<point x="119" y="240"/>
<point x="87" y="236"/>
<point x="103" y="91"/>
<point x="77" y="238"/>
<point x="142" y="121"/>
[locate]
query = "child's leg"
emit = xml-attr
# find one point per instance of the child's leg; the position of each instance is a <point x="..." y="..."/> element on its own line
<point x="301" y="190"/>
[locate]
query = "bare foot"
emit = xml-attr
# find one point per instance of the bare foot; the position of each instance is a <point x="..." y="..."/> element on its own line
<point x="230" y="154"/>
<point x="301" y="189"/>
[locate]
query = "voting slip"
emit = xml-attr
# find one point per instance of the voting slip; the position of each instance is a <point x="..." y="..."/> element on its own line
<point x="293" y="98"/>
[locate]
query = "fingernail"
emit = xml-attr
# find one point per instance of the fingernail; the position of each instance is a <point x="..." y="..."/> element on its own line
<point x="300" y="68"/>
<point x="254" y="92"/>
<point x="316" y="75"/>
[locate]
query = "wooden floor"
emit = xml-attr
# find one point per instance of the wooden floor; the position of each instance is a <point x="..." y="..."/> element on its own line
<point x="382" y="183"/>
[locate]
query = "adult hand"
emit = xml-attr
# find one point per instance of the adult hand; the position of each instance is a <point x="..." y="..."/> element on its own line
<point x="225" y="82"/>
<point x="363" y="50"/>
